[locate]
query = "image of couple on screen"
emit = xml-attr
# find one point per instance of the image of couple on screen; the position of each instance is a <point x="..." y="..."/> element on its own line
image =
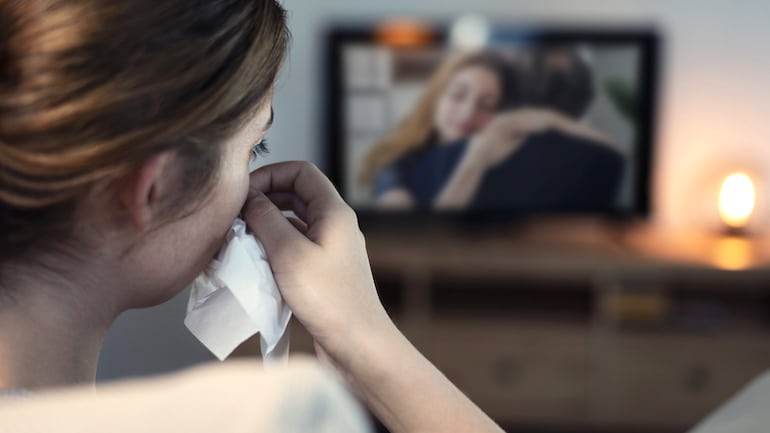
<point x="495" y="131"/>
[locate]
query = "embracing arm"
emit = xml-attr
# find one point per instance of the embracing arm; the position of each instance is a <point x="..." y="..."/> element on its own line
<point x="577" y="129"/>
<point x="461" y="186"/>
<point x="322" y="270"/>
<point x="499" y="140"/>
<point x="396" y="198"/>
<point x="389" y="192"/>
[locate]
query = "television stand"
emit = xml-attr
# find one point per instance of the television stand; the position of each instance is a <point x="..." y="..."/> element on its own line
<point x="581" y="325"/>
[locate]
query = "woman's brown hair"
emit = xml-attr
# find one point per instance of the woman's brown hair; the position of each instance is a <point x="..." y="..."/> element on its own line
<point x="89" y="89"/>
<point x="416" y="129"/>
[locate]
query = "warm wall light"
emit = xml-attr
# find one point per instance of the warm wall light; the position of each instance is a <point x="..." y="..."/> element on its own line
<point x="404" y="32"/>
<point x="737" y="199"/>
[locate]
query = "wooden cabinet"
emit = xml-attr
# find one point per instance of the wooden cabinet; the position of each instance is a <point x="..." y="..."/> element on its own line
<point x="572" y="376"/>
<point x="581" y="325"/>
<point x="534" y="373"/>
<point x="670" y="379"/>
<point x="522" y="326"/>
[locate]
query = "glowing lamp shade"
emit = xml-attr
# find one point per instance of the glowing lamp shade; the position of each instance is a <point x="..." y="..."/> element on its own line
<point x="470" y="32"/>
<point x="737" y="199"/>
<point x="404" y="32"/>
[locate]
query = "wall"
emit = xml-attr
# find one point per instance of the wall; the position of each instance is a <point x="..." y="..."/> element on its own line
<point x="714" y="102"/>
<point x="714" y="95"/>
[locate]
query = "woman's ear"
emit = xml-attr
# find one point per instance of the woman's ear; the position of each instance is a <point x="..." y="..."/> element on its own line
<point x="141" y="190"/>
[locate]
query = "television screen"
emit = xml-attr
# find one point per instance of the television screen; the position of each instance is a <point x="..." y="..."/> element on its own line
<point x="534" y="120"/>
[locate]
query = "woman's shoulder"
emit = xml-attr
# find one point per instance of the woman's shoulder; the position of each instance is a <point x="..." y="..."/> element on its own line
<point x="13" y="393"/>
<point x="239" y="396"/>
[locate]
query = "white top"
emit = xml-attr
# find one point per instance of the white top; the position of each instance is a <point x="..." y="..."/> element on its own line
<point x="234" y="397"/>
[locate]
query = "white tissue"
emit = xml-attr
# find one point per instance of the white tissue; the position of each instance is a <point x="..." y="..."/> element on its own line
<point x="238" y="297"/>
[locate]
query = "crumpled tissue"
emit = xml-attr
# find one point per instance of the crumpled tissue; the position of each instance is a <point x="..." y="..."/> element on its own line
<point x="236" y="297"/>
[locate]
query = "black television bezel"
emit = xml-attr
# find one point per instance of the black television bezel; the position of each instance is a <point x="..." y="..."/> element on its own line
<point x="647" y="38"/>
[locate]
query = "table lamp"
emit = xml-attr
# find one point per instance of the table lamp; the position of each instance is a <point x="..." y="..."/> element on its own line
<point x="737" y="202"/>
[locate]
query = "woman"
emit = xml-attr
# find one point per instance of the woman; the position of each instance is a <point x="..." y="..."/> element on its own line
<point x="126" y="131"/>
<point x="426" y="161"/>
<point x="460" y="99"/>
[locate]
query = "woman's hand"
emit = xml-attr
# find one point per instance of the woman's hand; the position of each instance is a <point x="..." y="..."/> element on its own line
<point x="320" y="264"/>
<point x="507" y="131"/>
<point x="493" y="145"/>
<point x="319" y="261"/>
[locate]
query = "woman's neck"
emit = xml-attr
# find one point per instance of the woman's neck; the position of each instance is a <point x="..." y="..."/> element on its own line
<point x="50" y="335"/>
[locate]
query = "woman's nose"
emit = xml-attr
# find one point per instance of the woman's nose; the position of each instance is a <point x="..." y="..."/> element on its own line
<point x="468" y="112"/>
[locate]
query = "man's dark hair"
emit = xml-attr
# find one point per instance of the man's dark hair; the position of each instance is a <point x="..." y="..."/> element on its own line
<point x="561" y="79"/>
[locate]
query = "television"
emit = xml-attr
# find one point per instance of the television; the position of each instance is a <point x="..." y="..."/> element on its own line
<point x="529" y="120"/>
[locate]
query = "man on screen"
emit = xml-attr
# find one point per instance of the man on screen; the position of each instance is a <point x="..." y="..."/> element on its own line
<point x="567" y="168"/>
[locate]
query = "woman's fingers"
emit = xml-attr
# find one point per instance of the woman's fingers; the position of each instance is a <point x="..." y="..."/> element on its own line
<point x="286" y="201"/>
<point x="318" y="202"/>
<point x="301" y="178"/>
<point x="279" y="236"/>
<point x="298" y="224"/>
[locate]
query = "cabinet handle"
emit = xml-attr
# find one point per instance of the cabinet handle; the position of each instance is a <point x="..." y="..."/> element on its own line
<point x="506" y="372"/>
<point x="697" y="379"/>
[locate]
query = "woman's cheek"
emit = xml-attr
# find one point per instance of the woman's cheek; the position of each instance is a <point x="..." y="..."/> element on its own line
<point x="233" y="190"/>
<point x="241" y="189"/>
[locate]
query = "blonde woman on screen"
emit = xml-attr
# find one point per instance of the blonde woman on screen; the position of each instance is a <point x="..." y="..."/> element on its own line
<point x="461" y="97"/>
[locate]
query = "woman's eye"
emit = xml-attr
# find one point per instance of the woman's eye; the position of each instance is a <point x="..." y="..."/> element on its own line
<point x="259" y="149"/>
<point x="457" y="95"/>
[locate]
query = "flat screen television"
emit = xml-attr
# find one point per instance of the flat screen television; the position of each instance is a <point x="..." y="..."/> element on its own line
<point x="535" y="120"/>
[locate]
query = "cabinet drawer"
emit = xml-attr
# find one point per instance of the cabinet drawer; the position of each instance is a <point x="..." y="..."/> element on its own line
<point x="516" y="372"/>
<point x="668" y="379"/>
